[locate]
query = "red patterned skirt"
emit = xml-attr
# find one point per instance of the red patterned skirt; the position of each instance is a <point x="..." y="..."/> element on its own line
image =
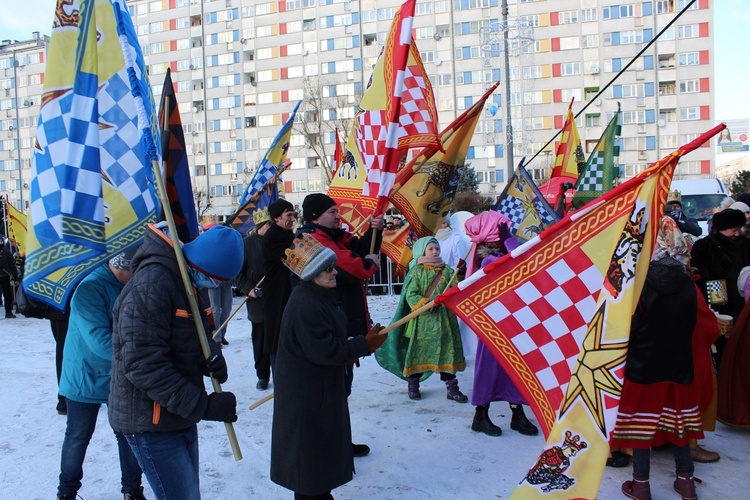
<point x="652" y="414"/>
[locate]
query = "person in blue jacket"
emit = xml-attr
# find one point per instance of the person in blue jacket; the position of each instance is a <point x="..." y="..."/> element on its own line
<point x="85" y="377"/>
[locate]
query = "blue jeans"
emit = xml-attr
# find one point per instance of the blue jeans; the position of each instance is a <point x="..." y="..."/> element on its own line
<point x="221" y="306"/>
<point x="81" y="422"/>
<point x="170" y="462"/>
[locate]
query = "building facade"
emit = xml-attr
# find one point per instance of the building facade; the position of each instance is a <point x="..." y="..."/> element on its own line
<point x="239" y="67"/>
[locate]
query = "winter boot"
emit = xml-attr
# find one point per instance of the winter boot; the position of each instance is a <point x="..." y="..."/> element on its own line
<point x="519" y="422"/>
<point x="134" y="495"/>
<point x="453" y="392"/>
<point x="637" y="488"/>
<point x="482" y="422"/>
<point x="414" y="388"/>
<point x="685" y="486"/>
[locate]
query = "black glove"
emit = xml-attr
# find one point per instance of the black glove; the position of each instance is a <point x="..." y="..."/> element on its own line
<point x="217" y="367"/>
<point x="222" y="407"/>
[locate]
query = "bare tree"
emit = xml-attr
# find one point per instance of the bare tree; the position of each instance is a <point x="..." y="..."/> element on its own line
<point x="202" y="201"/>
<point x="323" y="113"/>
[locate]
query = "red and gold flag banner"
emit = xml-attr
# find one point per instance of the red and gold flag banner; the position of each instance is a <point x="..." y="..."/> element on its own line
<point x="569" y="158"/>
<point x="397" y="111"/>
<point x="556" y="313"/>
<point x="424" y="189"/>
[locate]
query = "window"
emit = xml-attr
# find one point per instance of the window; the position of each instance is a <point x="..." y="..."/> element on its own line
<point x="385" y="14"/>
<point x="423" y="8"/>
<point x="299" y="186"/>
<point x="568" y="17"/>
<point x="681" y="5"/>
<point x="662" y="6"/>
<point x="628" y="37"/>
<point x="688" y="59"/>
<point x="691" y="113"/>
<point x="690" y="86"/>
<point x="444" y="79"/>
<point x="589" y="41"/>
<point x="688" y="31"/>
<point x="567" y="69"/>
<point x="593" y="120"/>
<point x="262" y="8"/>
<point x="427" y="56"/>
<point x="588" y="15"/>
<point x="426" y="32"/>
<point x="570" y="43"/>
<point x="631" y="117"/>
<point x="668" y="142"/>
<point x="668" y="115"/>
<point x="568" y="94"/>
<point x="369" y="16"/>
<point x="667" y="88"/>
<point x="632" y="170"/>
<point x="532" y="21"/>
<point x="634" y="143"/>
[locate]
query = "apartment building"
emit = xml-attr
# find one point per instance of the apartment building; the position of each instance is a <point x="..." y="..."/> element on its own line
<point x="240" y="66"/>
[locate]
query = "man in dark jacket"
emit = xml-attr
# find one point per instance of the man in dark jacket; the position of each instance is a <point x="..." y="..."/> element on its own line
<point x="354" y="262"/>
<point x="157" y="393"/>
<point x="247" y="283"/>
<point x="686" y="225"/>
<point x="276" y="285"/>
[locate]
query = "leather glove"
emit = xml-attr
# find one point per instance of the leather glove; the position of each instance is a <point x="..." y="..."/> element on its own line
<point x="217" y="367"/>
<point x="374" y="339"/>
<point x="222" y="407"/>
<point x="504" y="231"/>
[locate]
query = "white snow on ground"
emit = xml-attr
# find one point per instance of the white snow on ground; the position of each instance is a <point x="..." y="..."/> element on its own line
<point x="420" y="449"/>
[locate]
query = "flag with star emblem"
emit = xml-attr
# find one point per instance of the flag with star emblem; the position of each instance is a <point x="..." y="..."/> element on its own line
<point x="556" y="313"/>
<point x="600" y="172"/>
<point x="528" y="210"/>
<point x="92" y="186"/>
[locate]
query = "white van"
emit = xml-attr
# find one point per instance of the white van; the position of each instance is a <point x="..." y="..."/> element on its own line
<point x="700" y="198"/>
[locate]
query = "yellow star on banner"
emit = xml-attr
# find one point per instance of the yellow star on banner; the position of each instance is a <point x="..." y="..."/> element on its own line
<point x="593" y="372"/>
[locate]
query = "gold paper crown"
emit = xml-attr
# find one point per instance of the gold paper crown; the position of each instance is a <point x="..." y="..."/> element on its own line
<point x="674" y="196"/>
<point x="260" y="216"/>
<point x="307" y="257"/>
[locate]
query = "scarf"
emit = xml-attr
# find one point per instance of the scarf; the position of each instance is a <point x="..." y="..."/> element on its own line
<point x="443" y="233"/>
<point x="431" y="261"/>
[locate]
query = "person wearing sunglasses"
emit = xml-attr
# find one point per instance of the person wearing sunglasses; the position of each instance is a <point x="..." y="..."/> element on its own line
<point x="311" y="451"/>
<point x="354" y="262"/>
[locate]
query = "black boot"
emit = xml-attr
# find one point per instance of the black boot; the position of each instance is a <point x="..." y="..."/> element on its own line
<point x="453" y="392"/>
<point x="413" y="385"/>
<point x="482" y="422"/>
<point x="519" y="422"/>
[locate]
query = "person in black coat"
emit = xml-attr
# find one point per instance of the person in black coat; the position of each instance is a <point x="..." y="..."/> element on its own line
<point x="247" y="283"/>
<point x="276" y="285"/>
<point x="311" y="451"/>
<point x="718" y="257"/>
<point x="686" y="225"/>
<point x="157" y="394"/>
<point x="8" y="272"/>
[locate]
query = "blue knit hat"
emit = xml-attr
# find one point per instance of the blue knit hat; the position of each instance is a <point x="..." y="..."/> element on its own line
<point x="217" y="253"/>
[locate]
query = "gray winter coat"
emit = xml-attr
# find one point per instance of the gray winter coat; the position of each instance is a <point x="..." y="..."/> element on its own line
<point x="157" y="362"/>
<point x="311" y="448"/>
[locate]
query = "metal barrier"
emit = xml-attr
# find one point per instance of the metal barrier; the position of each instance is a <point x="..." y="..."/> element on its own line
<point x="385" y="281"/>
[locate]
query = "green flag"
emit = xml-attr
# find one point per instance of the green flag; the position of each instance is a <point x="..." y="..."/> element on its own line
<point x="599" y="174"/>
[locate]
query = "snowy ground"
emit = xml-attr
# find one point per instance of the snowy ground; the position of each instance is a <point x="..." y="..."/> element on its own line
<point x="420" y="449"/>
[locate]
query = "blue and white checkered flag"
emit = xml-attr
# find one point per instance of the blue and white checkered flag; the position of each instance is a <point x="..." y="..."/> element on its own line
<point x="274" y="157"/>
<point x="92" y="187"/>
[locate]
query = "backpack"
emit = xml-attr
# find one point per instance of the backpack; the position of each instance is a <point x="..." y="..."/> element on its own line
<point x="29" y="307"/>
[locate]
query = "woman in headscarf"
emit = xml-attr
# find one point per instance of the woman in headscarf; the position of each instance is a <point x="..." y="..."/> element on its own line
<point x="491" y="234"/>
<point x="431" y="342"/>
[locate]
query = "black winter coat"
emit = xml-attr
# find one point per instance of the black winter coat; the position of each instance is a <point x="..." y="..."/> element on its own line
<point x="250" y="274"/>
<point x="311" y="447"/>
<point x="277" y="285"/>
<point x="718" y="257"/>
<point x="157" y="362"/>
<point x="661" y="332"/>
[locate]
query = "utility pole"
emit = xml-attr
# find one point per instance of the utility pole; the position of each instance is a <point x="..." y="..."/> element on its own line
<point x="508" y="115"/>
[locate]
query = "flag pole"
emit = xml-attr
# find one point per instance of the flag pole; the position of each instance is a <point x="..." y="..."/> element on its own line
<point x="192" y="299"/>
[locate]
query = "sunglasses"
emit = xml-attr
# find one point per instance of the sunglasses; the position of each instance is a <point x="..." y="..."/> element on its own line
<point x="330" y="268"/>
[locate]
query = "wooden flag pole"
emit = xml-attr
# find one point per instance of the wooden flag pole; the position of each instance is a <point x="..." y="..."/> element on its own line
<point x="261" y="401"/>
<point x="236" y="310"/>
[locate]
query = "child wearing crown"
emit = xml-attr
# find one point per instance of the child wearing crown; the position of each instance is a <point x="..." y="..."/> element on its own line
<point x="431" y="342"/>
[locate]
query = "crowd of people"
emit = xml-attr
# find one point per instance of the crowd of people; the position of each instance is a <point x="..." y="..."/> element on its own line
<point x="129" y="339"/>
